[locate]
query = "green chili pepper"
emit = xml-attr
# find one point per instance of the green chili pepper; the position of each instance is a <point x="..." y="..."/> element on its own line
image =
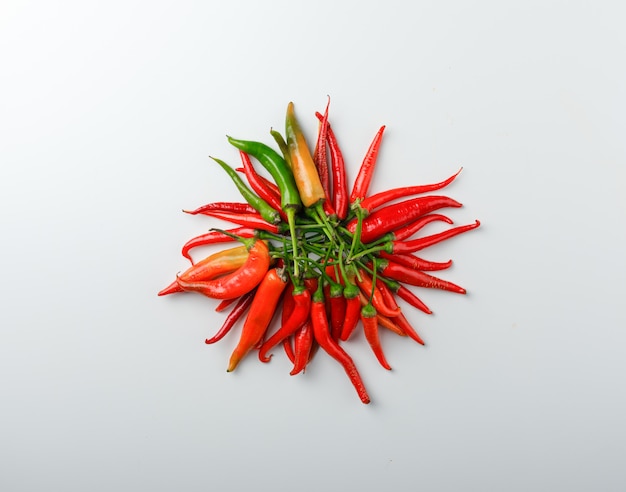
<point x="260" y="205"/>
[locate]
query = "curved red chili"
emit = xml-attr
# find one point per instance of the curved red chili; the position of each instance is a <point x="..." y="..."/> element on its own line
<point x="424" y="242"/>
<point x="261" y="312"/>
<point x="401" y="320"/>
<point x="303" y="347"/>
<point x="261" y="186"/>
<point x="411" y="228"/>
<point x="234" y="207"/>
<point x="247" y="220"/>
<point x="393" y="216"/>
<point x="416" y="277"/>
<point x="213" y="237"/>
<point x="364" y="178"/>
<point x="415" y="262"/>
<point x="370" y="329"/>
<point x="368" y="289"/>
<point x="243" y="304"/>
<point x="321" y="332"/>
<point x="340" y="181"/>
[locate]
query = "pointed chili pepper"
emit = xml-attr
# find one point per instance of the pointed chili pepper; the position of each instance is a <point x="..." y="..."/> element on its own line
<point x="300" y="313"/>
<point x="235" y="207"/>
<point x="224" y="303"/>
<point x="369" y="290"/>
<point x="237" y="283"/>
<point x="303" y="347"/>
<point x="242" y="306"/>
<point x="415" y="262"/>
<point x="213" y="237"/>
<point x="393" y="216"/>
<point x="340" y="182"/>
<point x="401" y="320"/>
<point x="212" y="266"/>
<point x="289" y="349"/>
<point x="370" y="329"/>
<point x="261" y="312"/>
<point x="260" y="185"/>
<point x="247" y="220"/>
<point x="375" y="201"/>
<point x="364" y="178"/>
<point x="304" y="171"/>
<point x="411" y="228"/>
<point x="416" y="277"/>
<point x="404" y="293"/>
<point x="414" y="245"/>
<point x="319" y="155"/>
<point x="321" y="332"/>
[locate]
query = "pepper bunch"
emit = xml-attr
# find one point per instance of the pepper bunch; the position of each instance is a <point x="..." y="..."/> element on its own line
<point x="327" y="258"/>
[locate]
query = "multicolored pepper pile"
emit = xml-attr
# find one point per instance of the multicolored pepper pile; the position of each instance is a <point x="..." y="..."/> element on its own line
<point x="324" y="256"/>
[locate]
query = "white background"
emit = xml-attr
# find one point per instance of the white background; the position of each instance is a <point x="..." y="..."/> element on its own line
<point x="108" y="111"/>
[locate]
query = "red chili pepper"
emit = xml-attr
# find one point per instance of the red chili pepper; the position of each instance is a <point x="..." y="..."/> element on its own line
<point x="212" y="266"/>
<point x="237" y="283"/>
<point x="364" y="178"/>
<point x="401" y="320"/>
<point x="319" y="155"/>
<point x="262" y="310"/>
<point x="260" y="185"/>
<point x="411" y="298"/>
<point x="288" y="349"/>
<point x="214" y="237"/>
<point x="375" y="201"/>
<point x="300" y="313"/>
<point x="390" y="325"/>
<point x="303" y="352"/>
<point x="393" y="216"/>
<point x="224" y="304"/>
<point x="243" y="304"/>
<point x="416" y="263"/>
<point x="370" y="329"/>
<point x="234" y="207"/>
<point x="321" y="332"/>
<point x="403" y="247"/>
<point x="416" y="277"/>
<point x="411" y="228"/>
<point x="365" y="283"/>
<point x="353" y="307"/>
<point x="247" y="220"/>
<point x="340" y="182"/>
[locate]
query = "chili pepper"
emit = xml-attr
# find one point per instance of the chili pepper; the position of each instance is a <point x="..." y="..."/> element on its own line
<point x="319" y="156"/>
<point x="224" y="304"/>
<point x="266" y="190"/>
<point x="260" y="205"/>
<point x="370" y="329"/>
<point x="393" y="216"/>
<point x="300" y="313"/>
<point x="261" y="312"/>
<point x="364" y="178"/>
<point x="412" y="227"/>
<point x="288" y="349"/>
<point x="243" y="304"/>
<point x="239" y="282"/>
<point x="321" y="332"/>
<point x="368" y="289"/>
<point x="336" y="303"/>
<point x="353" y="305"/>
<point x="304" y="171"/>
<point x="304" y="347"/>
<point x="403" y="247"/>
<point x="401" y="320"/>
<point x="416" y="277"/>
<point x="213" y="237"/>
<point x="404" y="293"/>
<point x="247" y="220"/>
<point x="282" y="145"/>
<point x="239" y="208"/>
<point x="390" y="325"/>
<point x="212" y="266"/>
<point x="375" y="201"/>
<point x="340" y="183"/>
<point x="415" y="262"/>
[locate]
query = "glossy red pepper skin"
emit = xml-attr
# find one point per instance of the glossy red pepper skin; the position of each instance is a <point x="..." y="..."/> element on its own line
<point x="393" y="216"/>
<point x="261" y="186"/>
<point x="404" y="247"/>
<point x="214" y="237"/>
<point x="339" y="180"/>
<point x="368" y="289"/>
<point x="379" y="199"/>
<point x="415" y="262"/>
<point x="303" y="351"/>
<point x="366" y="171"/>
<point x="262" y="310"/>
<point x="401" y="320"/>
<point x="411" y="228"/>
<point x="234" y="207"/>
<point x="370" y="329"/>
<point x="320" y="158"/>
<point x="321" y="332"/>
<point x="412" y="299"/>
<point x="299" y="314"/>
<point x="416" y="277"/>
<point x="242" y="306"/>
<point x="237" y="283"/>
<point x="254" y="221"/>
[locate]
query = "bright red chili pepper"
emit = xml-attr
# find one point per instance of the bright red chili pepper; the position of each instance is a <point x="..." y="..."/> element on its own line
<point x="304" y="348"/>
<point x="411" y="298"/>
<point x="261" y="186"/>
<point x="321" y="332"/>
<point x="416" y="277"/>
<point x="237" y="283"/>
<point x="340" y="182"/>
<point x="319" y="155"/>
<point x="403" y="247"/>
<point x="393" y="216"/>
<point x="234" y="207"/>
<point x="375" y="201"/>
<point x="224" y="303"/>
<point x="370" y="329"/>
<point x="401" y="320"/>
<point x="411" y="228"/>
<point x="364" y="178"/>
<point x="368" y="289"/>
<point x="262" y="310"/>
<point x="415" y="262"/>
<point x="289" y="349"/>
<point x="300" y="313"/>
<point x="243" y="304"/>
<point x="213" y="237"/>
<point x="247" y="220"/>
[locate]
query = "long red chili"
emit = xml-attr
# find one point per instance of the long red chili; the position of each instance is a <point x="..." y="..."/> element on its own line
<point x="370" y="329"/>
<point x="261" y="186"/>
<point x="321" y="332"/>
<point x="411" y="298"/>
<point x="262" y="310"/>
<point x="242" y="306"/>
<point x="300" y="313"/>
<point x="401" y="320"/>
<point x="393" y="216"/>
<point x="237" y="283"/>
<point x="416" y="277"/>
<point x="303" y="347"/>
<point x="375" y="201"/>
<point x="403" y="247"/>
<point x="364" y="178"/>
<point x="339" y="179"/>
<point x="411" y="228"/>
<point x="213" y="237"/>
<point x="247" y="220"/>
<point x="368" y="289"/>
<point x="235" y="207"/>
<point x="319" y="155"/>
<point x="415" y="262"/>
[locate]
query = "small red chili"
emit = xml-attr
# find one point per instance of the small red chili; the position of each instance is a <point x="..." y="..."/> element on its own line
<point x="424" y="242"/>
<point x="401" y="320"/>
<point x="303" y="347"/>
<point x="247" y="220"/>
<point x="370" y="329"/>
<point x="340" y="182"/>
<point x="415" y="262"/>
<point x="235" y="207"/>
<point x="416" y="277"/>
<point x="243" y="304"/>
<point x="368" y="289"/>
<point x="364" y="178"/>
<point x="213" y="237"/>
